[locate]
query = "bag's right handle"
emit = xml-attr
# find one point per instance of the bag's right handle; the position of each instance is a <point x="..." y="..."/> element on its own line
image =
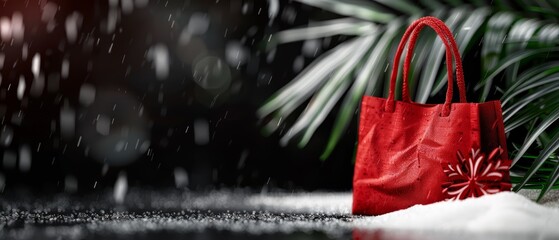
<point x="451" y="51"/>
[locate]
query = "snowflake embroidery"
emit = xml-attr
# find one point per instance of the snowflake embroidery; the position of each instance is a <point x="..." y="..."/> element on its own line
<point x="476" y="175"/>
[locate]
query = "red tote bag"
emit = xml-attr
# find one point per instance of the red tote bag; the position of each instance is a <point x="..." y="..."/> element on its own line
<point x="410" y="153"/>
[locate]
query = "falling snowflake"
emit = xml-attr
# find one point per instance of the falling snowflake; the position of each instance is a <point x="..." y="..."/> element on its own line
<point x="476" y="175"/>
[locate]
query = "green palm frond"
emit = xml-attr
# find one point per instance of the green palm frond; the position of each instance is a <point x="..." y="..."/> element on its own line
<point x="518" y="47"/>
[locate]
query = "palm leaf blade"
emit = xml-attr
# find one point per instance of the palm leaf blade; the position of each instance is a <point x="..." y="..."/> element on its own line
<point x="369" y="74"/>
<point x="310" y="78"/>
<point x="326" y="98"/>
<point x="344" y="26"/>
<point x="538" y="163"/>
<point x="486" y="83"/>
<point x="534" y="135"/>
<point x="354" y="8"/>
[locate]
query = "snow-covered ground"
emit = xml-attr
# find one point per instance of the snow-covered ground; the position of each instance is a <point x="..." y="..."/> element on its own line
<point x="504" y="213"/>
<point x="147" y="214"/>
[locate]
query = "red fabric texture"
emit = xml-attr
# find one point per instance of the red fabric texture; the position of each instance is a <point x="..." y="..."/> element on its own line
<point x="403" y="145"/>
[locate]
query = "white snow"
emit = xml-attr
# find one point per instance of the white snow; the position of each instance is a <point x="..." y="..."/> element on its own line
<point x="21" y="88"/>
<point x="505" y="212"/>
<point x="49" y="12"/>
<point x="112" y="19"/>
<point x="103" y="125"/>
<point x="17" y="26"/>
<point x="246" y="8"/>
<point x="211" y="73"/>
<point x="127" y="6"/>
<point x="235" y="53"/>
<point x="67" y="122"/>
<point x="289" y="14"/>
<point x="120" y="146"/>
<point x="73" y="22"/>
<point x="331" y="203"/>
<point x="2" y="182"/>
<point x="6" y="136"/>
<point x="501" y="216"/>
<point x="48" y="15"/>
<point x="141" y="3"/>
<point x="5" y="29"/>
<point x="24" y="51"/>
<point x="298" y="63"/>
<point x="271" y="55"/>
<point x="198" y="24"/>
<point x="70" y="184"/>
<point x="311" y="48"/>
<point x="36" y="65"/>
<point x="201" y="132"/>
<point x="121" y="187"/>
<point x="273" y="9"/>
<point x="159" y="55"/>
<point x="113" y="3"/>
<point x="145" y="146"/>
<point x="87" y="94"/>
<point x="24" y="158"/>
<point x="37" y="86"/>
<point x="12" y="28"/>
<point x="181" y="177"/>
<point x="65" y="68"/>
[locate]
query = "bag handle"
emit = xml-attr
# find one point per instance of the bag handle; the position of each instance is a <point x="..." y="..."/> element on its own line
<point x="459" y="71"/>
<point x="451" y="51"/>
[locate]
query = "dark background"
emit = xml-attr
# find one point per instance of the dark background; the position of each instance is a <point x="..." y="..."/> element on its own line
<point x="165" y="116"/>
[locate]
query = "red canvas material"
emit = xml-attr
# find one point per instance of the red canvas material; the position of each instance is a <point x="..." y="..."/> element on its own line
<point x="402" y="145"/>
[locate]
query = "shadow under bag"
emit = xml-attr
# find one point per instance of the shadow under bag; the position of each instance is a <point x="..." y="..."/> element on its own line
<point x="410" y="153"/>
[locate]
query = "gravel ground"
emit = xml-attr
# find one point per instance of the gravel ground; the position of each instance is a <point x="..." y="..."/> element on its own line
<point x="172" y="214"/>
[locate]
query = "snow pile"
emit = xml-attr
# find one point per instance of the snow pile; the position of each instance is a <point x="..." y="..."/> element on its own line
<point x="505" y="212"/>
<point x="330" y="203"/>
<point x="283" y="215"/>
<point x="492" y="215"/>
